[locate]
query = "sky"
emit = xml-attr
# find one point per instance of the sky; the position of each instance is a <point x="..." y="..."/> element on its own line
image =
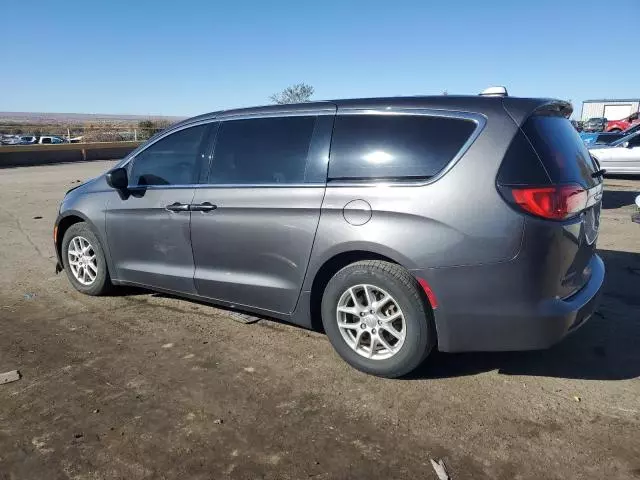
<point x="193" y="56"/>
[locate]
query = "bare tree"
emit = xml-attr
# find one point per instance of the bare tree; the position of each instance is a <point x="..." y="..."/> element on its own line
<point x="298" y="93"/>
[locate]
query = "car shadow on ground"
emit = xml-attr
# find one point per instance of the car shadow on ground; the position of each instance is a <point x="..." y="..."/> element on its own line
<point x="618" y="198"/>
<point x="607" y="347"/>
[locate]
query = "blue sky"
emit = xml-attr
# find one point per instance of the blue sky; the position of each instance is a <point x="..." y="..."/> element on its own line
<point x="190" y="56"/>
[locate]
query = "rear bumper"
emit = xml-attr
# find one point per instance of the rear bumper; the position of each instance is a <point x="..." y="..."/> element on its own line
<point x="473" y="317"/>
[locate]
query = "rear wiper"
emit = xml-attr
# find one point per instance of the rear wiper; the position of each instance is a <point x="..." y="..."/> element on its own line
<point x="599" y="173"/>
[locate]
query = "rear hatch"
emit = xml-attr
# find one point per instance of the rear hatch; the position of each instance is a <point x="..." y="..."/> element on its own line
<point x="556" y="182"/>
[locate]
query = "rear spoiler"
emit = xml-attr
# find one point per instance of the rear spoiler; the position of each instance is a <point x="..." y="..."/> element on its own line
<point x="521" y="109"/>
<point x="558" y="108"/>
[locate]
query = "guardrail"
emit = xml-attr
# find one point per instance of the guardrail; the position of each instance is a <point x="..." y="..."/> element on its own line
<point x="23" y="155"/>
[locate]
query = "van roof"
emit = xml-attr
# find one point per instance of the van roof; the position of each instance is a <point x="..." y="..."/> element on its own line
<point x="517" y="107"/>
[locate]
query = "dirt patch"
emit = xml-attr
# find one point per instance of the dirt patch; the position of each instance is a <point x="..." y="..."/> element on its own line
<point x="140" y="386"/>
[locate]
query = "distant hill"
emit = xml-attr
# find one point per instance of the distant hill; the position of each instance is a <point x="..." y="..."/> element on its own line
<point x="76" y="118"/>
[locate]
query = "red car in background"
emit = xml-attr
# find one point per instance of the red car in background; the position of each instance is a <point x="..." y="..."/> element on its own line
<point x="620" y="125"/>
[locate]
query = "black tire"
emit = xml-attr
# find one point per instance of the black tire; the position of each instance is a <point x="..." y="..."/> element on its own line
<point x="420" y="334"/>
<point x="102" y="283"/>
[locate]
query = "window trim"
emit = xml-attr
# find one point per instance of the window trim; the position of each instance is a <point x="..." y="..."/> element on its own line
<point x="479" y="119"/>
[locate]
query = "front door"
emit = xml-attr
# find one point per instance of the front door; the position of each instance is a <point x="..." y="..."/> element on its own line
<point x="148" y="227"/>
<point x="254" y="222"/>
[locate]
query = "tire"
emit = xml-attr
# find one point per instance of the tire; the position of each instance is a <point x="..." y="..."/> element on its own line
<point x="404" y="291"/>
<point x="614" y="130"/>
<point x="101" y="284"/>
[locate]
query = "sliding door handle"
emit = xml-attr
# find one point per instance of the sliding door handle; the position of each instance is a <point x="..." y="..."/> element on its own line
<point x="203" y="207"/>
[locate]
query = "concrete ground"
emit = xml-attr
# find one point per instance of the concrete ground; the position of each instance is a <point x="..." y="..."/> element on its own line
<point x="144" y="386"/>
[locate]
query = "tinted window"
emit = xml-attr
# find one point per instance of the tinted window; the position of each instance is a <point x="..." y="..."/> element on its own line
<point x="394" y="146"/>
<point x="46" y="140"/>
<point x="174" y="160"/>
<point x="262" y="151"/>
<point x="634" y="141"/>
<point x="561" y="150"/>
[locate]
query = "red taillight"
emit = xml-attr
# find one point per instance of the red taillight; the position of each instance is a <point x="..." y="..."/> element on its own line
<point x="556" y="203"/>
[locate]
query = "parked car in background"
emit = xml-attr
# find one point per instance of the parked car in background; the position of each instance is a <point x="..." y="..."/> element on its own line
<point x="9" y="140"/>
<point x="606" y="138"/>
<point x="28" y="140"/>
<point x="340" y="213"/>
<point x="596" y="124"/>
<point x="621" y="125"/>
<point x="577" y="124"/>
<point x="621" y="156"/>
<point x="51" y="139"/>
<point x="636" y="215"/>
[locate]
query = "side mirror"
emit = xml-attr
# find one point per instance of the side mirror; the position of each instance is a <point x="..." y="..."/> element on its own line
<point x="117" y="178"/>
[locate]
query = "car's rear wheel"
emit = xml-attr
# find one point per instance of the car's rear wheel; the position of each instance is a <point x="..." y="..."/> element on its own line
<point x="377" y="318"/>
<point x="84" y="260"/>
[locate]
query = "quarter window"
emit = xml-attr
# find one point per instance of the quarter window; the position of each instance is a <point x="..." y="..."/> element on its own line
<point x="368" y="147"/>
<point x="262" y="151"/>
<point x="173" y="160"/>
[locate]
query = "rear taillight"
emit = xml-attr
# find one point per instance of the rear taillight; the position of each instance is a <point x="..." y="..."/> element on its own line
<point x="555" y="203"/>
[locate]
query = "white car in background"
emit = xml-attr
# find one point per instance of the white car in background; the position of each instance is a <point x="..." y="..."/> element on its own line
<point x="621" y="156"/>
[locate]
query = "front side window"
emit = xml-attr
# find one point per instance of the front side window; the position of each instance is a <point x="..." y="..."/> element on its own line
<point x="173" y="160"/>
<point x="366" y="147"/>
<point x="262" y="151"/>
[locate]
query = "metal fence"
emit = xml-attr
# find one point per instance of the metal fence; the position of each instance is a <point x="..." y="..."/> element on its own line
<point x="21" y="133"/>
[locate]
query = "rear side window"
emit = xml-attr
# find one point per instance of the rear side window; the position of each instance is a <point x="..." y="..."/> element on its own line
<point x="395" y="146"/>
<point x="562" y="152"/>
<point x="262" y="151"/>
<point x="173" y="160"/>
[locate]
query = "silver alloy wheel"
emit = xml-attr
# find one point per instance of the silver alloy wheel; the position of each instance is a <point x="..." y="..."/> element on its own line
<point x="371" y="322"/>
<point x="82" y="260"/>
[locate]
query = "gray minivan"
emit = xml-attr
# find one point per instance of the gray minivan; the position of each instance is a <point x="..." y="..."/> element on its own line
<point x="395" y="225"/>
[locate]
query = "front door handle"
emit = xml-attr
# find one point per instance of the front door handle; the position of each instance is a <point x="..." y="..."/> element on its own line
<point x="203" y="207"/>
<point x="178" y="207"/>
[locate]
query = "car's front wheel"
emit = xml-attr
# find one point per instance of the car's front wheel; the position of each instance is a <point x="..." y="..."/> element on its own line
<point x="377" y="318"/>
<point x="84" y="260"/>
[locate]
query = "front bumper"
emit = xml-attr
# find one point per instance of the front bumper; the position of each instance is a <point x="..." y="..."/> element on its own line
<point x="469" y="319"/>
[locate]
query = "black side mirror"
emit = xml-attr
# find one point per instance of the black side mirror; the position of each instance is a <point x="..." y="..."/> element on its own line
<point x="117" y="178"/>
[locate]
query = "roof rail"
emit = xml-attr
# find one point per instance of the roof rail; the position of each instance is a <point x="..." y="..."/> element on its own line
<point x="494" y="92"/>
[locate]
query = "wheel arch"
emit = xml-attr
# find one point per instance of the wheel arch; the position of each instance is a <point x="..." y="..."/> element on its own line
<point x="328" y="269"/>
<point x="69" y="218"/>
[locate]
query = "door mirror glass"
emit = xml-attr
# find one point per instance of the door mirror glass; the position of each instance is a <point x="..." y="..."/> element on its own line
<point x="117" y="179"/>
